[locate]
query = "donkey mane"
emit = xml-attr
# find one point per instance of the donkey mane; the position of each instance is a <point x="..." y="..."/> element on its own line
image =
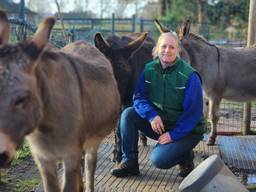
<point x="200" y="38"/>
<point x="203" y="40"/>
<point x="8" y="49"/>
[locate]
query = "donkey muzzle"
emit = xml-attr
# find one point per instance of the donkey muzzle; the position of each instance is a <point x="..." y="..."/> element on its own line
<point x="7" y="150"/>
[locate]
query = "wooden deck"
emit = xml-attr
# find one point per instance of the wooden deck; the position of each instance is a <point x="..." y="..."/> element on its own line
<point x="150" y="179"/>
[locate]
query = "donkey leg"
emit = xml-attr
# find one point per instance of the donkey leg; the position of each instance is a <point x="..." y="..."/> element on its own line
<point x="206" y="107"/>
<point x="214" y="117"/>
<point x="143" y="139"/>
<point x="117" y="155"/>
<point x="72" y="174"/>
<point x="90" y="162"/>
<point x="48" y="172"/>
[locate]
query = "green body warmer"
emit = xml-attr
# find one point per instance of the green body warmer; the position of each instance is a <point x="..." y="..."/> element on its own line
<point x="165" y="89"/>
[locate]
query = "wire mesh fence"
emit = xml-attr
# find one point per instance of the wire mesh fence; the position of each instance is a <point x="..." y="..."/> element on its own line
<point x="231" y="113"/>
<point x="231" y="118"/>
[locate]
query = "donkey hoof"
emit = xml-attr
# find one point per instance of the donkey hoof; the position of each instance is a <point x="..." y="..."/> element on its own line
<point x="211" y="141"/>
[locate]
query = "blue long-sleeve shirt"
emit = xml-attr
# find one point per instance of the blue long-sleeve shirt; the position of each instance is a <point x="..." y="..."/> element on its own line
<point x="192" y="105"/>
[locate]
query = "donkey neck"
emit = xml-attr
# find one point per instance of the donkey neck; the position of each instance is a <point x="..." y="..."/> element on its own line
<point x="204" y="57"/>
<point x="201" y="51"/>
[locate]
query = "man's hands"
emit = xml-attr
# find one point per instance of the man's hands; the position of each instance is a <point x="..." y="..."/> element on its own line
<point x="158" y="126"/>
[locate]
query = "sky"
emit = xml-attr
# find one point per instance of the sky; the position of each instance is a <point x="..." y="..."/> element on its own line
<point x="94" y="6"/>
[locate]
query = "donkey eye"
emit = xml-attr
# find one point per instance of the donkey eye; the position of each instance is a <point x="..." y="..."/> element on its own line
<point x="21" y="102"/>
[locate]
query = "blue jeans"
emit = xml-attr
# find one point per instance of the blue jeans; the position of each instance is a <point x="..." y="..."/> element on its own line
<point x="162" y="156"/>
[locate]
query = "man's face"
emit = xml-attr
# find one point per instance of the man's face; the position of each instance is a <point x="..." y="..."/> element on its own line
<point x="168" y="49"/>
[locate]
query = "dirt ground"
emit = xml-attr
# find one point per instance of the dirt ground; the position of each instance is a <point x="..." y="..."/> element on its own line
<point x="22" y="176"/>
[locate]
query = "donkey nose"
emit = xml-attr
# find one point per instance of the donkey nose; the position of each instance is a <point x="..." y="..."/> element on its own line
<point x="4" y="159"/>
<point x="7" y="150"/>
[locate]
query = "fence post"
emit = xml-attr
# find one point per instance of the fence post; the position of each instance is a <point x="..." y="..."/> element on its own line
<point x="92" y="23"/>
<point x="133" y="23"/>
<point x="22" y="10"/>
<point x="141" y="24"/>
<point x="113" y="23"/>
<point x="72" y="35"/>
<point x="22" y="31"/>
<point x="250" y="41"/>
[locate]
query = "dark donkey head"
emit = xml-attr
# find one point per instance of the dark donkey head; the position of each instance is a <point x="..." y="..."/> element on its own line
<point x="20" y="103"/>
<point x="128" y="55"/>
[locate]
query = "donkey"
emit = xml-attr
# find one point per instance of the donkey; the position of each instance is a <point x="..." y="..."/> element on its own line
<point x="226" y="72"/>
<point x="63" y="101"/>
<point x="128" y="55"/>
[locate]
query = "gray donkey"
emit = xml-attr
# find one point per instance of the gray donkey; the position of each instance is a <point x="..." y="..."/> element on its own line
<point x="226" y="72"/>
<point x="63" y="101"/>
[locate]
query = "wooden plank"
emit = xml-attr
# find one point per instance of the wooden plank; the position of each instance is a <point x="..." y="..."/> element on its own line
<point x="135" y="181"/>
<point x="103" y="166"/>
<point x="150" y="179"/>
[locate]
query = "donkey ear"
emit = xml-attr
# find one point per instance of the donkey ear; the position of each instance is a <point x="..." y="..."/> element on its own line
<point x="4" y="28"/>
<point x="186" y="28"/>
<point x="43" y="32"/>
<point x="40" y="38"/>
<point x="101" y="43"/>
<point x="179" y="32"/>
<point x="160" y="27"/>
<point x="134" y="45"/>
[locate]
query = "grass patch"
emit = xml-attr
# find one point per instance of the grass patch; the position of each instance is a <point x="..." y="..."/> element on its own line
<point x="26" y="185"/>
<point x="4" y="177"/>
<point x="251" y="188"/>
<point x="22" y="153"/>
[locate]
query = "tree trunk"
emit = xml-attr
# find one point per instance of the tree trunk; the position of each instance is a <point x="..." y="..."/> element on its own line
<point x="202" y="18"/>
<point x="165" y="7"/>
<point x="62" y="23"/>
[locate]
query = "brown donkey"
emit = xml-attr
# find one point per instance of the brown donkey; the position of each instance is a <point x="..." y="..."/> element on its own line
<point x="63" y="101"/>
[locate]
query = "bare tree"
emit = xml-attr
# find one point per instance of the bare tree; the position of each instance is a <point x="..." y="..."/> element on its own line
<point x="39" y="6"/>
<point x="165" y="7"/>
<point x="105" y="6"/>
<point x="202" y="16"/>
<point x="79" y="5"/>
<point x="120" y="7"/>
<point x="61" y="20"/>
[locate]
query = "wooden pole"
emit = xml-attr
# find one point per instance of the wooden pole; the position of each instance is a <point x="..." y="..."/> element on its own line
<point x="250" y="41"/>
<point x="62" y="22"/>
<point x="113" y="23"/>
<point x="22" y="10"/>
<point x="202" y="19"/>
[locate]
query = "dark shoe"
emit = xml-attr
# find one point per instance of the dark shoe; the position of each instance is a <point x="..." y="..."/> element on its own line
<point x="125" y="169"/>
<point x="185" y="170"/>
<point x="187" y="166"/>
